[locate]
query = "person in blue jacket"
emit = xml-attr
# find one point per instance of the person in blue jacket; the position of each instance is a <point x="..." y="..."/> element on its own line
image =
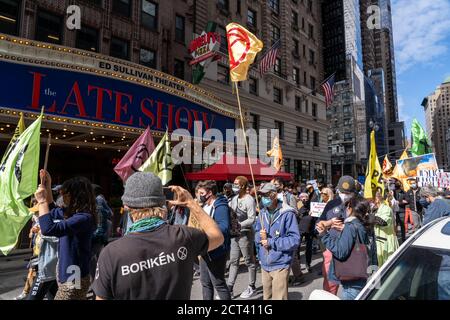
<point x="435" y="207"/>
<point x="74" y="230"/>
<point x="354" y="227"/>
<point x="212" y="265"/>
<point x="277" y="238"/>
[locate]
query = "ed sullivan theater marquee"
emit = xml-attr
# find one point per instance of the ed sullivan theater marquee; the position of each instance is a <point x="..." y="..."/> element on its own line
<point x="95" y="105"/>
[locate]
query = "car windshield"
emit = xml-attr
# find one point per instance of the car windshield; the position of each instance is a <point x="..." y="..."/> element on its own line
<point x="419" y="274"/>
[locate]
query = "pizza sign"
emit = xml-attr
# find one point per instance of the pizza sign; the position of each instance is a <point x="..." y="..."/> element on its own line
<point x="204" y="48"/>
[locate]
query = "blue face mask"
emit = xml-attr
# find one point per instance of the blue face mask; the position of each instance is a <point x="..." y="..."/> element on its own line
<point x="424" y="203"/>
<point x="266" y="202"/>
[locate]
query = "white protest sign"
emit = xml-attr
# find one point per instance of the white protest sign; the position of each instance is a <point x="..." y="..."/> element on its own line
<point x="444" y="179"/>
<point x="428" y="177"/>
<point x="317" y="209"/>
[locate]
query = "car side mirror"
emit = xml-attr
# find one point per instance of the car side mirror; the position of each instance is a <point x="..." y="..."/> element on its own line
<point x="322" y="295"/>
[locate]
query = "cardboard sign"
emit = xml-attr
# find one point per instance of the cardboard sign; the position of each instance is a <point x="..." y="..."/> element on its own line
<point x="428" y="177"/>
<point x="317" y="209"/>
<point x="411" y="167"/>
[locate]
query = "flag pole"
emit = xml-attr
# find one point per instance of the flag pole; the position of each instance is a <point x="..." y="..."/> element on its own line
<point x="248" y="152"/>
<point x="47" y="151"/>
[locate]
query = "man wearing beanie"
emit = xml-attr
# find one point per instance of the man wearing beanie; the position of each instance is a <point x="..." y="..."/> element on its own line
<point x="154" y="260"/>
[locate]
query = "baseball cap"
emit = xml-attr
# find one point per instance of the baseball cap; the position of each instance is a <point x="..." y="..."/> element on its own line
<point x="346" y="184"/>
<point x="266" y="188"/>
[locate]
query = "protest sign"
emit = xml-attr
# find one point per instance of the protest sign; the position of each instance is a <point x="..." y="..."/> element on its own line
<point x="410" y="167"/>
<point x="317" y="209"/>
<point x="428" y="178"/>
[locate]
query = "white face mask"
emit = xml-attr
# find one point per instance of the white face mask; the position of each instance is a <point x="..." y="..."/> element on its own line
<point x="345" y="197"/>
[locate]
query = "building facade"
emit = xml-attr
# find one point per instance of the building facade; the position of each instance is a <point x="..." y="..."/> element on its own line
<point x="156" y="34"/>
<point x="285" y="98"/>
<point x="437" y="116"/>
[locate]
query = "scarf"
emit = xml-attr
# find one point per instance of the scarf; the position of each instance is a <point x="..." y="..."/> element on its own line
<point x="146" y="225"/>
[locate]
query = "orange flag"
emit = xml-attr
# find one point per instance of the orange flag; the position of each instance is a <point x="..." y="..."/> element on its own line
<point x="276" y="153"/>
<point x="387" y="167"/>
<point x="242" y="49"/>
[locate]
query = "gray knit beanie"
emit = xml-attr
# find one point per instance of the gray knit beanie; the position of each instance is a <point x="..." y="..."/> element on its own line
<point x="143" y="190"/>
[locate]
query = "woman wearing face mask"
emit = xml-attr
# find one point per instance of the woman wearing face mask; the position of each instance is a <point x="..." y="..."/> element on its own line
<point x="78" y="220"/>
<point x="386" y="238"/>
<point x="354" y="231"/>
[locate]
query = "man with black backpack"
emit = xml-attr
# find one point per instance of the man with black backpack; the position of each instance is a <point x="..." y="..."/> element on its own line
<point x="244" y="206"/>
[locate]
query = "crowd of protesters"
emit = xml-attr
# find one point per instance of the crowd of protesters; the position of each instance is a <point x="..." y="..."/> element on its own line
<point x="165" y="242"/>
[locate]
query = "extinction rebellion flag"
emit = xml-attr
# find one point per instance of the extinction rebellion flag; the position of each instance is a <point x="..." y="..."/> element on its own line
<point x="18" y="180"/>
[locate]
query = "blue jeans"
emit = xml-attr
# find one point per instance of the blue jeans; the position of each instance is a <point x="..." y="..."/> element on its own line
<point x="351" y="289"/>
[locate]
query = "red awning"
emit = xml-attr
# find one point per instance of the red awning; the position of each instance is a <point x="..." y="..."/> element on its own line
<point x="229" y="167"/>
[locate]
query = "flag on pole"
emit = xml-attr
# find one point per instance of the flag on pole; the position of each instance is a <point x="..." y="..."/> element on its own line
<point x="242" y="49"/>
<point x="387" y="167"/>
<point x="269" y="58"/>
<point x="136" y="155"/>
<point x="328" y="89"/>
<point x="19" y="130"/>
<point x="18" y="180"/>
<point x="160" y="161"/>
<point x="395" y="172"/>
<point x="420" y="143"/>
<point x="276" y="153"/>
<point x="374" y="181"/>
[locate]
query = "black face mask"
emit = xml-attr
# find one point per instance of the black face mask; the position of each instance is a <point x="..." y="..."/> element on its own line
<point x="204" y="199"/>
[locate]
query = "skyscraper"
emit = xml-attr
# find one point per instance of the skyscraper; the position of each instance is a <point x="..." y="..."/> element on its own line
<point x="343" y="54"/>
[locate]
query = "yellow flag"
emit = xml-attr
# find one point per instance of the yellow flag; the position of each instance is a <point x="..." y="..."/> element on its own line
<point x="374" y="180"/>
<point x="276" y="153"/>
<point x="395" y="171"/>
<point x="242" y="49"/>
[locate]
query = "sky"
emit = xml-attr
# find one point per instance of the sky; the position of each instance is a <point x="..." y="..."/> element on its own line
<point x="422" y="52"/>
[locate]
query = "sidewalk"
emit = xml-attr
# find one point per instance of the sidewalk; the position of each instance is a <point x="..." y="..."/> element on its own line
<point x="16" y="252"/>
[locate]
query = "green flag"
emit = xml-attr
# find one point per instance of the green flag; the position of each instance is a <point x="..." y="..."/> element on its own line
<point x="160" y="161"/>
<point x="19" y="130"/>
<point x="18" y="180"/>
<point x="420" y="143"/>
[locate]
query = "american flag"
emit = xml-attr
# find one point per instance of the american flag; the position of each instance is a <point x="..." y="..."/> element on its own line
<point x="268" y="60"/>
<point x="328" y="88"/>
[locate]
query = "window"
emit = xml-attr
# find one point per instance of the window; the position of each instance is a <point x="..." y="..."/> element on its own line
<point x="298" y="103"/>
<point x="296" y="75"/>
<point x="275" y="33"/>
<point x="49" y="27"/>
<point x="314" y="110"/>
<point x="295" y="20"/>
<point x="347" y="122"/>
<point x="280" y="127"/>
<point x="287" y="165"/>
<point x="277" y="66"/>
<point x="307" y="136"/>
<point x="346" y="109"/>
<point x="223" y="74"/>
<point x="223" y="39"/>
<point x="313" y="82"/>
<point x="418" y="274"/>
<point x="315" y="139"/>
<point x="320" y="172"/>
<point x="255" y="121"/>
<point x="299" y="135"/>
<point x="305" y="170"/>
<point x="87" y="39"/>
<point x="278" y="95"/>
<point x="304" y="51"/>
<point x="9" y="16"/>
<point x="121" y="7"/>
<point x="251" y="18"/>
<point x="223" y="4"/>
<point x="275" y="5"/>
<point x="310" y="31"/>
<point x="178" y="69"/>
<point x="148" y="58"/>
<point x="179" y="28"/>
<point x="253" y="85"/>
<point x="312" y="57"/>
<point x="310" y="4"/>
<point x="303" y="24"/>
<point x="348" y="136"/>
<point x="306" y="106"/>
<point x="238" y="6"/>
<point x="296" y="47"/>
<point x="149" y="14"/>
<point x="119" y="48"/>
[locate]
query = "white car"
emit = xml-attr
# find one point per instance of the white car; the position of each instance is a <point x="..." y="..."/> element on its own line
<point x="418" y="270"/>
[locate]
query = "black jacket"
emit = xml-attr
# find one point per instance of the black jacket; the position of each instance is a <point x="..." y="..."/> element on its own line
<point x="414" y="205"/>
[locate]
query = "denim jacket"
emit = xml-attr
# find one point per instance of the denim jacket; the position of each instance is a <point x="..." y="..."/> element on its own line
<point x="48" y="258"/>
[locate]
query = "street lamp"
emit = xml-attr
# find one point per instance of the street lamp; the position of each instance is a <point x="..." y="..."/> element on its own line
<point x="374" y="125"/>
